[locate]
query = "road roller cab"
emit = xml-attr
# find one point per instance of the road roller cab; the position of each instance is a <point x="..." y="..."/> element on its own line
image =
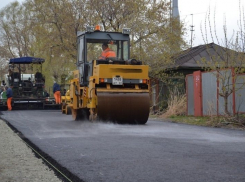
<point x="114" y="88"/>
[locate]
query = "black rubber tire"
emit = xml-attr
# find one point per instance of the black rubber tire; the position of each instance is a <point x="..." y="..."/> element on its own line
<point x="80" y="114"/>
<point x="68" y="110"/>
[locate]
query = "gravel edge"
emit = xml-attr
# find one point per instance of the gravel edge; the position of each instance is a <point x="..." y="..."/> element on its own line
<point x="18" y="162"/>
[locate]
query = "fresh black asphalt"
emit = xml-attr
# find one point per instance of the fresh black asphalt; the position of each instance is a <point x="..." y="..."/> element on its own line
<point x="155" y="152"/>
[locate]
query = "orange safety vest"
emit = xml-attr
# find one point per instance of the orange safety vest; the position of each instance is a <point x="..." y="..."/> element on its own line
<point x="107" y="53"/>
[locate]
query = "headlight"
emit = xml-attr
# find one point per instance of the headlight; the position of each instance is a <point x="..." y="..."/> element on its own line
<point x="33" y="84"/>
<point x="20" y="85"/>
<point x="16" y="80"/>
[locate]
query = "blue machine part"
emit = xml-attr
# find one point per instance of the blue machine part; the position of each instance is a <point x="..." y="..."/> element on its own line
<point x="26" y="60"/>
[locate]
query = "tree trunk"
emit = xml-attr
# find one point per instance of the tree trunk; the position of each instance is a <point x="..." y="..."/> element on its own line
<point x="226" y="105"/>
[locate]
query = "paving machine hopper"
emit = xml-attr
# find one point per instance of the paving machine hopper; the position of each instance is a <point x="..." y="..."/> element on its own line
<point x="111" y="89"/>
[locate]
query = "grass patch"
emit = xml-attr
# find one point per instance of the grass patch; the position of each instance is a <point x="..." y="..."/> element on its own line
<point x="201" y="121"/>
<point x="210" y="121"/>
<point x="176" y="112"/>
<point x="176" y="104"/>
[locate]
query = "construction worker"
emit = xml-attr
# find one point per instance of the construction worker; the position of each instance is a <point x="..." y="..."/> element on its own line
<point x="9" y="94"/>
<point x="56" y="91"/>
<point x="107" y="52"/>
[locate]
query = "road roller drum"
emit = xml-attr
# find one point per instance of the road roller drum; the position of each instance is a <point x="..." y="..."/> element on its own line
<point x="124" y="108"/>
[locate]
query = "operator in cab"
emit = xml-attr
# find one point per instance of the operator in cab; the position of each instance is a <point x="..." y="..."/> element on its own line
<point x="107" y="52"/>
<point x="56" y="91"/>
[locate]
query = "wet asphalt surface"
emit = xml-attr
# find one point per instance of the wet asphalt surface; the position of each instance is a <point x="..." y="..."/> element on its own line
<point x="158" y="151"/>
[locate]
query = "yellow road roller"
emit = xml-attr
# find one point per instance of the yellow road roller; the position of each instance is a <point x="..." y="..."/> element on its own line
<point x="65" y="100"/>
<point x="108" y="87"/>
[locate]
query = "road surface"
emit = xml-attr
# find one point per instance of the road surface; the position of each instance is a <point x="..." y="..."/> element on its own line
<point x="158" y="151"/>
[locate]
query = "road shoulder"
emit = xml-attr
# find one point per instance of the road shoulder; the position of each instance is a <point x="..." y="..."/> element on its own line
<point x="18" y="162"/>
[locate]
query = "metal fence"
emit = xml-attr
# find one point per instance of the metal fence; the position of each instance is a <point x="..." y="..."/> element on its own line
<point x="161" y="90"/>
<point x="190" y="93"/>
<point x="204" y="95"/>
<point x="240" y="94"/>
<point x="209" y="89"/>
<point x="158" y="95"/>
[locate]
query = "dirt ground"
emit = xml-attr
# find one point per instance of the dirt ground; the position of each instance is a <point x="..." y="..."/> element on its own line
<point x="18" y="162"/>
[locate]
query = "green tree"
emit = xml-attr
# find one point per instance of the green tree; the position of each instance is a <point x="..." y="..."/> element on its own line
<point x="50" y="27"/>
<point x="55" y="29"/>
<point x="229" y="61"/>
<point x="155" y="38"/>
<point x="15" y="31"/>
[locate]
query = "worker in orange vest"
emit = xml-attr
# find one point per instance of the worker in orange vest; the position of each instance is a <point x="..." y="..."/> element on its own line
<point x="107" y="52"/>
<point x="9" y="94"/>
<point x="56" y="91"/>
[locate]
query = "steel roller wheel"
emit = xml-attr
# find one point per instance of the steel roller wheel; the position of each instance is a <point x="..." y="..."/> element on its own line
<point x="124" y="108"/>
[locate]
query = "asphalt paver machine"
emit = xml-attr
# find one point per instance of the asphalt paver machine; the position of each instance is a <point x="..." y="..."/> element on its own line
<point x="27" y="82"/>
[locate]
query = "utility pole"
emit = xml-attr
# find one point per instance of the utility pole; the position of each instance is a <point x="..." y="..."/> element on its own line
<point x="171" y="14"/>
<point x="192" y="30"/>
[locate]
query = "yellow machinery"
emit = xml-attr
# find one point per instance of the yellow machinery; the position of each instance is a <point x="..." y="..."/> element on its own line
<point x="65" y="101"/>
<point x="114" y="89"/>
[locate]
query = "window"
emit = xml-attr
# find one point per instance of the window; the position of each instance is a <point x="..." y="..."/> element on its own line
<point x="81" y="51"/>
<point x="94" y="50"/>
<point x="125" y="50"/>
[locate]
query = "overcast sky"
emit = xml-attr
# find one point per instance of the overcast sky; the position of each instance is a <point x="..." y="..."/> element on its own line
<point x="6" y="2"/>
<point x="225" y="9"/>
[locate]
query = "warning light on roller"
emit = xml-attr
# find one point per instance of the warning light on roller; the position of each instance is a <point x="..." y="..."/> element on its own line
<point x="143" y="81"/>
<point x="97" y="28"/>
<point x="103" y="80"/>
